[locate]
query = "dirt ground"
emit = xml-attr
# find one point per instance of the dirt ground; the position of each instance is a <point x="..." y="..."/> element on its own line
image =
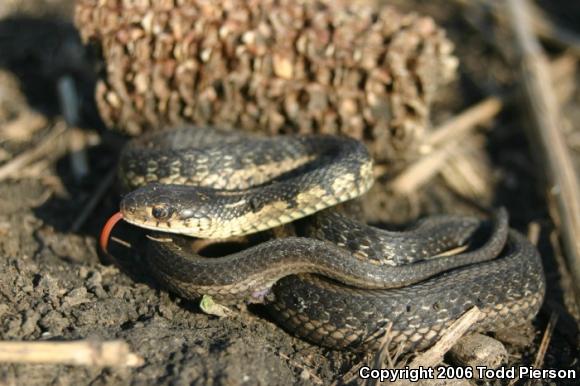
<point x="55" y="286"/>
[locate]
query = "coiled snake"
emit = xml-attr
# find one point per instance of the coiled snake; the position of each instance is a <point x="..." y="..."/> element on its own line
<point x="336" y="282"/>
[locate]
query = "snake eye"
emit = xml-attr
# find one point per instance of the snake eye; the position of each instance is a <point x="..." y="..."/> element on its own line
<point x="161" y="212"/>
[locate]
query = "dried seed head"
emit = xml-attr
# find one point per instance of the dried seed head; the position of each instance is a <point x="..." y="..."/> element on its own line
<point x="273" y="66"/>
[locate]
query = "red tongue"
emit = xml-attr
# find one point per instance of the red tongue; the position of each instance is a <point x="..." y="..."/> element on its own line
<point x="106" y="231"/>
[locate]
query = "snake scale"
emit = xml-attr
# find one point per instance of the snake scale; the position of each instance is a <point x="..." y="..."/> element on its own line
<point x="333" y="280"/>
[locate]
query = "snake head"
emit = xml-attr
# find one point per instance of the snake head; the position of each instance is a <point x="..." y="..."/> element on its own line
<point x="169" y="208"/>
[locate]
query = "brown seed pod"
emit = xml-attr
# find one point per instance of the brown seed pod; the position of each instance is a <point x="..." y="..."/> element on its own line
<point x="273" y="66"/>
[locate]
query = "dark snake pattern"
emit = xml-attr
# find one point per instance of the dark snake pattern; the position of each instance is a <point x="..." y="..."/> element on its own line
<point x="335" y="281"/>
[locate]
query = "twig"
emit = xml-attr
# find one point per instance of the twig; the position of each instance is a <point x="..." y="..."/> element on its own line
<point x="468" y="172"/>
<point x="350" y="375"/>
<point x="435" y="354"/>
<point x="450" y="134"/>
<point x="571" y="303"/>
<point x="23" y="128"/>
<point x="96" y="197"/>
<point x="382" y="354"/>
<point x="539" y="362"/>
<point x="563" y="71"/>
<point x="25" y="158"/>
<point x="454" y="131"/>
<point x="378" y="358"/>
<point x="546" y="135"/>
<point x="534" y="229"/>
<point x="121" y="242"/>
<point x="465" y="122"/>
<point x="452" y="334"/>
<point x="422" y="170"/>
<point x="85" y="352"/>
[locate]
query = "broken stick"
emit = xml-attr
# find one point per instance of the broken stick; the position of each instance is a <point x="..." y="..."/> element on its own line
<point x="546" y="135"/>
<point x="84" y="352"/>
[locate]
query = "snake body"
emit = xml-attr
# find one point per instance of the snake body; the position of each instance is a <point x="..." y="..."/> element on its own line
<point x="336" y="282"/>
<point x="509" y="290"/>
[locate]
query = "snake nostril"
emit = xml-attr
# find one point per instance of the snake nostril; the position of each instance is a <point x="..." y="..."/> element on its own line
<point x="128" y="209"/>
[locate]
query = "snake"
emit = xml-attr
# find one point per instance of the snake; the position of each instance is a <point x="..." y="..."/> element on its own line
<point x="328" y="277"/>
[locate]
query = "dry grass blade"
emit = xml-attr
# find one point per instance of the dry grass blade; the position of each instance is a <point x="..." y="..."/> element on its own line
<point x="546" y="135"/>
<point x="23" y="128"/>
<point x="454" y="332"/>
<point x="435" y="354"/>
<point x="383" y="355"/>
<point x="461" y="124"/>
<point x="379" y="358"/>
<point x="539" y="362"/>
<point x="85" y="353"/>
<point x="566" y="281"/>
<point x="349" y="377"/>
<point x="422" y="170"/>
<point x="449" y="136"/>
<point x="43" y="148"/>
<point x="122" y="242"/>
<point x="534" y="230"/>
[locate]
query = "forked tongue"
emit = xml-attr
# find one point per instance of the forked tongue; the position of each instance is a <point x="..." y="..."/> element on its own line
<point x="106" y="231"/>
